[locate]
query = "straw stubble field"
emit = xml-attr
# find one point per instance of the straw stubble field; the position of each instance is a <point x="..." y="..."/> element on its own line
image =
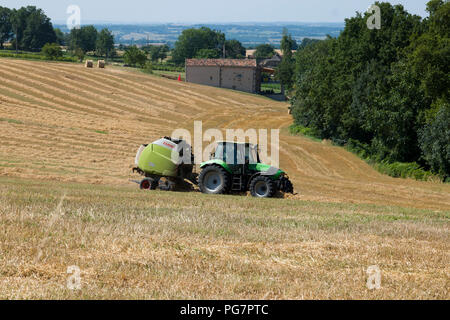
<point x="68" y="130"/>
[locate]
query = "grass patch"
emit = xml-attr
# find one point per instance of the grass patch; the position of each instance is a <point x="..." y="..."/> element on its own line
<point x="166" y="67"/>
<point x="34" y="56"/>
<point x="101" y="131"/>
<point x="394" y="169"/>
<point x="274" y="88"/>
<point x="297" y="130"/>
<point x="11" y="121"/>
<point x="170" y="74"/>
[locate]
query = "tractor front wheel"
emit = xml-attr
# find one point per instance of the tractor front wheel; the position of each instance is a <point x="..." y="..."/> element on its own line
<point x="213" y="180"/>
<point x="262" y="187"/>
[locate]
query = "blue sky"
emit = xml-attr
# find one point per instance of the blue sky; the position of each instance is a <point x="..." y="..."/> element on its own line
<point x="202" y="11"/>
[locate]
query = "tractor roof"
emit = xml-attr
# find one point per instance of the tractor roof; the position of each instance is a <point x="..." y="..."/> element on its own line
<point x="237" y="143"/>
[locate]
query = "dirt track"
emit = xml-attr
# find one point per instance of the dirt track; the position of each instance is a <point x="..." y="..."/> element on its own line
<point x="64" y="122"/>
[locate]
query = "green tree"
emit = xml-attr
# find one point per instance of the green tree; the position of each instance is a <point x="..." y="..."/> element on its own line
<point x="32" y="29"/>
<point x="19" y="23"/>
<point x="387" y="89"/>
<point x="158" y="52"/>
<point x="60" y="37"/>
<point x="84" y="38"/>
<point x="306" y="42"/>
<point x="5" y="26"/>
<point x="429" y="61"/>
<point x="135" y="57"/>
<point x="207" y="54"/>
<point x="39" y="31"/>
<point x="148" y="67"/>
<point x="429" y="56"/>
<point x="234" y="49"/>
<point x="435" y="141"/>
<point x="79" y="53"/>
<point x="285" y="71"/>
<point x="52" y="51"/>
<point x="264" y="51"/>
<point x="105" y="43"/>
<point x="193" y="40"/>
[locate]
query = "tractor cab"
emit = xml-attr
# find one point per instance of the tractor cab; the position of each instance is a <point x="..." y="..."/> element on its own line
<point x="235" y="154"/>
<point x="237" y="167"/>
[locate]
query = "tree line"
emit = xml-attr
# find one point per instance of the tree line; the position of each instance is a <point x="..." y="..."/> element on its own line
<point x="384" y="93"/>
<point x="29" y="29"/>
<point x="205" y="43"/>
<point x="199" y="43"/>
<point x="88" y="39"/>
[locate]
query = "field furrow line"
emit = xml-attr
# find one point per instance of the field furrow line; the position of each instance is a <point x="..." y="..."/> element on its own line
<point x="315" y="162"/>
<point x="140" y="100"/>
<point x="15" y="89"/>
<point x="138" y="89"/>
<point x="57" y="143"/>
<point x="70" y="85"/>
<point x="63" y="95"/>
<point x="98" y="90"/>
<point x="14" y="104"/>
<point x="21" y="87"/>
<point x="160" y="91"/>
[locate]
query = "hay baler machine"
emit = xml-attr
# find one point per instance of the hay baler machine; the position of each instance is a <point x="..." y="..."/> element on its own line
<point x="168" y="164"/>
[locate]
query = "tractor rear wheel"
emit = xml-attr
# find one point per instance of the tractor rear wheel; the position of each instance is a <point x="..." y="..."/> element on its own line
<point x="213" y="180"/>
<point x="262" y="187"/>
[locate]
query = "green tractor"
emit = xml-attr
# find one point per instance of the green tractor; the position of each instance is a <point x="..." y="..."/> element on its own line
<point x="232" y="168"/>
<point x="236" y="167"/>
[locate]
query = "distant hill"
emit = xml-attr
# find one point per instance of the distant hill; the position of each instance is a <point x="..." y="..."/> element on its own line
<point x="250" y="34"/>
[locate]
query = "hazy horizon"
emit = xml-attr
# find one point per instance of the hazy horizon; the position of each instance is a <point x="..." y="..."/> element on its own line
<point x="202" y="11"/>
<point x="188" y="23"/>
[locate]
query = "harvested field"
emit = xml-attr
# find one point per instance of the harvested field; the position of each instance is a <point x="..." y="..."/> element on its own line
<point x="73" y="124"/>
<point x="65" y="129"/>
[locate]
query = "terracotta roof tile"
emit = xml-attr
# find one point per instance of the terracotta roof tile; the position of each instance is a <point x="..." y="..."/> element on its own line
<point x="249" y="63"/>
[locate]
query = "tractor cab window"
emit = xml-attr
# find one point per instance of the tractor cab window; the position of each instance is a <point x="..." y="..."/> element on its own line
<point x="226" y="153"/>
<point x="236" y="153"/>
<point x="253" y="154"/>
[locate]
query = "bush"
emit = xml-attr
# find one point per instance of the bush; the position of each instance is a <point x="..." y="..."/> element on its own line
<point x="366" y="152"/>
<point x="404" y="170"/>
<point x="148" y="68"/>
<point x="79" y="53"/>
<point x="361" y="149"/>
<point x="394" y="169"/>
<point x="52" y="51"/>
<point x="301" y="130"/>
<point x="135" y="57"/>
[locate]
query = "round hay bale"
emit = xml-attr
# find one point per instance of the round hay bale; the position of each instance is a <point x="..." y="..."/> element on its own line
<point x="89" y="64"/>
<point x="101" y="64"/>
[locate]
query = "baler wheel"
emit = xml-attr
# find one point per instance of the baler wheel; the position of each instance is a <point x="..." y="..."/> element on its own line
<point x="148" y="184"/>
